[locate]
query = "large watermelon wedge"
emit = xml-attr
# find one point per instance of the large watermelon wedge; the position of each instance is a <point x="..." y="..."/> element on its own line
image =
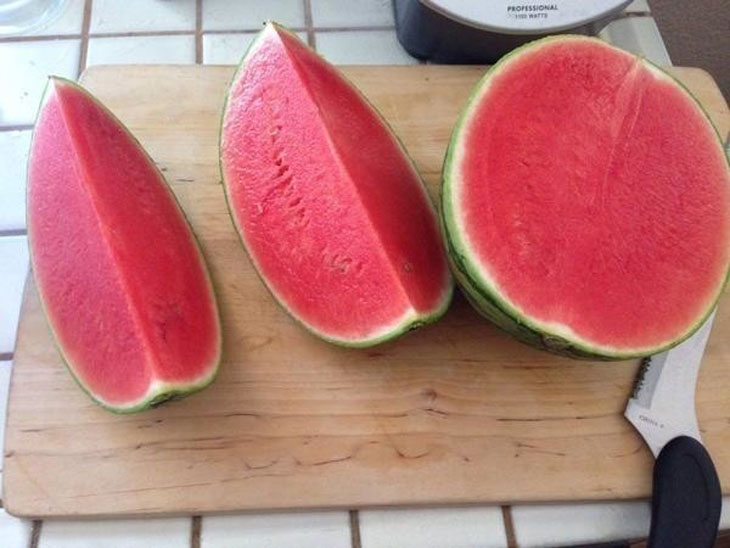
<point x="586" y="201"/>
<point x="119" y="273"/>
<point x="331" y="210"/>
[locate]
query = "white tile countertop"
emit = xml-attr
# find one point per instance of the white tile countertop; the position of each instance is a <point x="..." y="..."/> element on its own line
<point x="92" y="32"/>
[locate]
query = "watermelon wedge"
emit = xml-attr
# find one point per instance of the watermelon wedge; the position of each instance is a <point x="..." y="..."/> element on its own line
<point x="586" y="201"/>
<point x="119" y="273"/>
<point x="328" y="205"/>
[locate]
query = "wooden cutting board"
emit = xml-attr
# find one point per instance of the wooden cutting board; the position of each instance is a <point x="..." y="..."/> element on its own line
<point x="457" y="412"/>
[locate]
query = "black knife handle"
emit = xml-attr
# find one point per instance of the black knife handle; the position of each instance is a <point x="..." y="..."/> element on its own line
<point x="686" y="503"/>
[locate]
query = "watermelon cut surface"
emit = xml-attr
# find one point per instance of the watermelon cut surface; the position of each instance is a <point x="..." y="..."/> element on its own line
<point x="119" y="273"/>
<point x="329" y="207"/>
<point x="586" y="201"/>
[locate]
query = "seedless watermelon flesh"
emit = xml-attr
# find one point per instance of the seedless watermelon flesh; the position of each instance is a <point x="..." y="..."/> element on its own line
<point x="119" y="273"/>
<point x="328" y="205"/>
<point x="586" y="201"/>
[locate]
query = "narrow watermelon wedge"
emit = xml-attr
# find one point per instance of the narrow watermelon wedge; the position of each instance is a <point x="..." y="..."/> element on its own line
<point x="586" y="201"/>
<point x="328" y="205"/>
<point x="119" y="272"/>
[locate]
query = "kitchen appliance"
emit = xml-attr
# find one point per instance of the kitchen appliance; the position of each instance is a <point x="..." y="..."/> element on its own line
<point x="482" y="31"/>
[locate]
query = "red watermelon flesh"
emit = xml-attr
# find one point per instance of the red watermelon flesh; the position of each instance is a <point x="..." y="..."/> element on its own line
<point x="590" y="196"/>
<point x="118" y="270"/>
<point x="329" y="207"/>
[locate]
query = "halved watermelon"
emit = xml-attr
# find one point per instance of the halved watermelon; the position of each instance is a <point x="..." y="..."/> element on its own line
<point x="331" y="210"/>
<point x="586" y="201"/>
<point x="119" y="273"/>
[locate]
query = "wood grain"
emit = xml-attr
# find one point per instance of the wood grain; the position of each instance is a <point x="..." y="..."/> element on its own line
<point x="453" y="413"/>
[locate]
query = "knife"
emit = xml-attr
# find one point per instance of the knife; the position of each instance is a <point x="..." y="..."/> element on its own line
<point x="686" y="499"/>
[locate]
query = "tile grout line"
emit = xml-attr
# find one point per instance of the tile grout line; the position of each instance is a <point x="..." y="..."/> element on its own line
<point x="35" y="535"/>
<point x="41" y="38"/>
<point x="306" y="27"/>
<point x="13" y="232"/>
<point x="368" y="28"/>
<point x="196" y="526"/>
<point x="18" y="127"/>
<point x="198" y="32"/>
<point x="144" y="33"/>
<point x="308" y="24"/>
<point x="355" y="541"/>
<point x="247" y="31"/>
<point x="84" y="53"/>
<point x="6" y="357"/>
<point x="509" y="527"/>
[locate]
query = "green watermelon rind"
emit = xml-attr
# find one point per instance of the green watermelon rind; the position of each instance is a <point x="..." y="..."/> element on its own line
<point x="398" y="329"/>
<point x="482" y="293"/>
<point x="162" y="392"/>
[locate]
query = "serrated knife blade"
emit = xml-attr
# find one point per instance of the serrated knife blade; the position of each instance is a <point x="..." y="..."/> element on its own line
<point x="686" y="499"/>
<point x="662" y="406"/>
